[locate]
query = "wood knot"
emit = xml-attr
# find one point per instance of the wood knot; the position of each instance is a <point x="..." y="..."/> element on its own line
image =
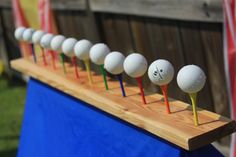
<point x="205" y="6"/>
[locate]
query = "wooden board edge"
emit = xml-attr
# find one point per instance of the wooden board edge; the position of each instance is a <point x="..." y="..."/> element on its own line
<point x="224" y="130"/>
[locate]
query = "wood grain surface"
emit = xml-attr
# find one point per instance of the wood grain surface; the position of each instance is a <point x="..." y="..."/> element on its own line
<point x="177" y="127"/>
<point x="190" y="10"/>
<point x="193" y="10"/>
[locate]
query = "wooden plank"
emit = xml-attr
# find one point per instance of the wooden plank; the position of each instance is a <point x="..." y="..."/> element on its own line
<point x="116" y="34"/>
<point x="165" y="43"/>
<point x="9" y="28"/>
<point x="196" y="10"/>
<point x="77" y="24"/>
<point x="3" y="51"/>
<point x="80" y="25"/>
<point x="5" y="4"/>
<point x="9" y="45"/>
<point x="69" y="4"/>
<point x="142" y="45"/>
<point x="212" y="39"/>
<point x="194" y="53"/>
<point x="177" y="128"/>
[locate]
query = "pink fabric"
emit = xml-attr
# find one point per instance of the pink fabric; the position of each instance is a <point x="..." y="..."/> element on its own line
<point x="19" y="16"/>
<point x="45" y="16"/>
<point x="20" y="20"/>
<point x="230" y="59"/>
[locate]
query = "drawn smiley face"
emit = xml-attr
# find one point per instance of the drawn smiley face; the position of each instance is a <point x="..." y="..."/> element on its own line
<point x="161" y="72"/>
<point x="157" y="73"/>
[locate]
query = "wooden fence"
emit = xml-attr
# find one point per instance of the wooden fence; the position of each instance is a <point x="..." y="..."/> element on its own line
<point x="187" y="32"/>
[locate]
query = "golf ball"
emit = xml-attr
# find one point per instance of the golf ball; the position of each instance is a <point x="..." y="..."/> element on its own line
<point x="68" y="46"/>
<point x="161" y="72"/>
<point x="98" y="53"/>
<point x="113" y="62"/>
<point x="82" y="48"/>
<point x="19" y="33"/>
<point x="191" y="79"/>
<point x="135" y="65"/>
<point x="27" y="35"/>
<point x="46" y="40"/>
<point x="57" y="42"/>
<point x="37" y="36"/>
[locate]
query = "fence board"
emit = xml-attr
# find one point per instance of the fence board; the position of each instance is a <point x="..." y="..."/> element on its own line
<point x="69" y="4"/>
<point x="3" y="54"/>
<point x="117" y="35"/>
<point x="117" y="32"/>
<point x="140" y="39"/>
<point x="198" y="10"/>
<point x="77" y="24"/>
<point x="213" y="45"/>
<point x="194" y="53"/>
<point x="12" y="46"/>
<point x="5" y="3"/>
<point x="165" y="44"/>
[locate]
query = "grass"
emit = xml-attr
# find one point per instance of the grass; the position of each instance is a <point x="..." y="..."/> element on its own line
<point x="12" y="99"/>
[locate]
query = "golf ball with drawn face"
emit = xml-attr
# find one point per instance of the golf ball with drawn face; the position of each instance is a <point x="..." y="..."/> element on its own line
<point x="46" y="40"/>
<point x="19" y="33"/>
<point x="135" y="65"/>
<point x="27" y="35"/>
<point x="82" y="49"/>
<point x="161" y="72"/>
<point x="113" y="62"/>
<point x="37" y="36"/>
<point x="56" y="43"/>
<point x="191" y="79"/>
<point x="68" y="46"/>
<point x="98" y="53"/>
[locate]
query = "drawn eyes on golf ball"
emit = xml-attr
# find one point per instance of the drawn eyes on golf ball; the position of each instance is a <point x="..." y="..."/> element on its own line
<point x="161" y="72"/>
<point x="157" y="73"/>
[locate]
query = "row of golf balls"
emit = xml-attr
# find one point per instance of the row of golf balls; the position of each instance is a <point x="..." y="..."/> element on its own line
<point x="190" y="78"/>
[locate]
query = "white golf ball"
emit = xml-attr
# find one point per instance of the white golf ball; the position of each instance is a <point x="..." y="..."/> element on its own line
<point x="46" y="40"/>
<point x="113" y="62"/>
<point x="68" y="46"/>
<point x="57" y="42"/>
<point x="82" y="48"/>
<point x="98" y="53"/>
<point x="19" y="33"/>
<point x="37" y="36"/>
<point x="191" y="79"/>
<point x="161" y="72"/>
<point x="27" y="35"/>
<point x="135" y="65"/>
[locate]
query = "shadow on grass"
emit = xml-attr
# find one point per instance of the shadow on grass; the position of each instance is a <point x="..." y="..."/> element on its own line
<point x="13" y="80"/>
<point x="14" y="137"/>
<point x="9" y="153"/>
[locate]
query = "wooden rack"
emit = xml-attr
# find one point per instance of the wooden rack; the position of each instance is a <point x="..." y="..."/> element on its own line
<point x="177" y="127"/>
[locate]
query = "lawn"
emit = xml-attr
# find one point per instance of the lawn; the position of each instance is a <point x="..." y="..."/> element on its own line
<point x="12" y="98"/>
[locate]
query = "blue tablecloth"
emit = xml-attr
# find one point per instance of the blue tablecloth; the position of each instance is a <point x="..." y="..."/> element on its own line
<point x="58" y="125"/>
